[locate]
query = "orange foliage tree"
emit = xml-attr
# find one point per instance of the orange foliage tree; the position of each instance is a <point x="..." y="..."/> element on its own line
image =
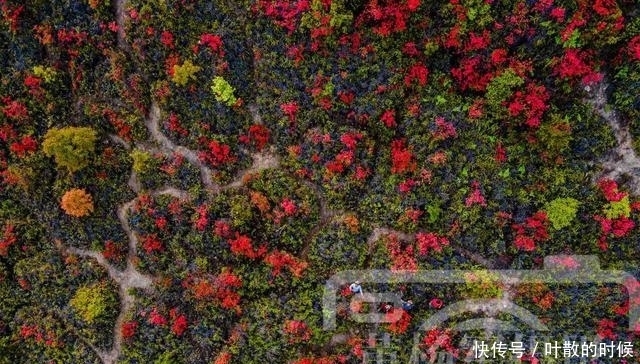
<point x="77" y="202"/>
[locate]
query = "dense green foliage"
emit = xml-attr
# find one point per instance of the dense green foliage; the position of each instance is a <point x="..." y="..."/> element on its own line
<point x="238" y="154"/>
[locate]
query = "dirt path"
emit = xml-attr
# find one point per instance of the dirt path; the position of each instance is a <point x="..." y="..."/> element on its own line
<point x="623" y="160"/>
<point x="327" y="215"/>
<point x="120" y="20"/>
<point x="152" y="123"/>
<point x="263" y="160"/>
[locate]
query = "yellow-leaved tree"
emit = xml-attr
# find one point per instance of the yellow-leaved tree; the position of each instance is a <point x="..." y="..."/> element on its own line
<point x="71" y="147"/>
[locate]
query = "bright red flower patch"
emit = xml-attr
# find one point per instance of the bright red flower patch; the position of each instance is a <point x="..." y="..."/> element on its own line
<point x="402" y="159"/>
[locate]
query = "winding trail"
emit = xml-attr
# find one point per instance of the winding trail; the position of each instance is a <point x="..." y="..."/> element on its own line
<point x="152" y="122"/>
<point x="128" y="279"/>
<point x="623" y="160"/>
<point x="327" y="215"/>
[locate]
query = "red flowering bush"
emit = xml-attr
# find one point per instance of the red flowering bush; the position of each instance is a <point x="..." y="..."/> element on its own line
<point x="217" y="155"/>
<point x="400" y="325"/>
<point x="14" y="109"/>
<point x="428" y="242"/>
<point x="258" y="136"/>
<point x="8" y="239"/>
<point x="157" y="319"/>
<point x="243" y="246"/>
<point x="475" y="197"/>
<point x="402" y="159"/>
<point x="283" y="12"/>
<point x="279" y="259"/>
<point x="201" y="218"/>
<point x="151" y="243"/>
<point x="389" y="118"/>
<point x="128" y="329"/>
<point x="437" y="340"/>
<point x="24" y="146"/>
<point x="530" y="104"/>
<point x="297" y="331"/>
<point x="213" y="42"/>
<point x="290" y="109"/>
<point x="574" y="65"/>
<point x="402" y="254"/>
<point x="534" y="230"/>
<point x="179" y="322"/>
<point x="221" y="289"/>
<point x="417" y="74"/>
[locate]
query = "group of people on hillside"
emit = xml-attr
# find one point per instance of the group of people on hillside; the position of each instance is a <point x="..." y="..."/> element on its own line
<point x="356" y="288"/>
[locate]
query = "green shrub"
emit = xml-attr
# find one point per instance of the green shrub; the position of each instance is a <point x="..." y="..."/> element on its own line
<point x="89" y="302"/>
<point x="561" y="211"/>
<point x="617" y="209"/>
<point x="501" y="87"/>
<point x="223" y="91"/>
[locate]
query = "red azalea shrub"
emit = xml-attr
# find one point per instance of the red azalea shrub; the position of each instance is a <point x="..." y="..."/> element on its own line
<point x="8" y="239"/>
<point x="284" y="13"/>
<point x="574" y="65"/>
<point x="389" y="118"/>
<point x="279" y="259"/>
<point x="387" y="17"/>
<point x="634" y="48"/>
<point x="610" y="190"/>
<point x="418" y="74"/>
<point x="166" y="38"/>
<point x="534" y="230"/>
<point x="173" y="124"/>
<point x="212" y="42"/>
<point x="444" y="129"/>
<point x="258" y="136"/>
<point x="111" y="250"/>
<point x="406" y="186"/>
<point x="606" y="329"/>
<point x="401" y="325"/>
<point x="25" y="146"/>
<point x="222" y="229"/>
<point x="297" y="331"/>
<point x="530" y="104"/>
<point x="402" y="255"/>
<point x="402" y="159"/>
<point x="243" y="246"/>
<point x="151" y="243"/>
<point x="290" y="109"/>
<point x="617" y="227"/>
<point x="14" y="110"/>
<point x="430" y="242"/>
<point x="475" y="197"/>
<point x="201" y="220"/>
<point x="436" y="340"/>
<point x="472" y="73"/>
<point x="350" y="139"/>
<point x="288" y="206"/>
<point x="217" y="155"/>
<point x="122" y="128"/>
<point x="157" y="319"/>
<point x="221" y="289"/>
<point x="128" y="329"/>
<point x="179" y="324"/>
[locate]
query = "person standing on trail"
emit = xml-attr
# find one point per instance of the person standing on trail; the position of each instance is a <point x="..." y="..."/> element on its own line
<point x="407" y="305"/>
<point x="355" y="287"/>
